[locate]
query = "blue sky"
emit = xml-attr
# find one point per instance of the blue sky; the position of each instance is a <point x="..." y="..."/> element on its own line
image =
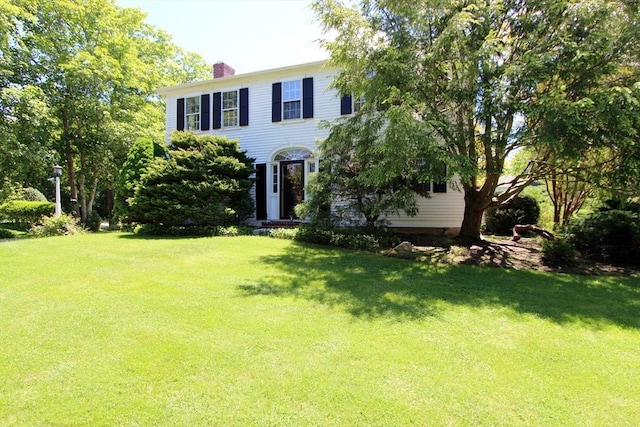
<point x="249" y="35"/>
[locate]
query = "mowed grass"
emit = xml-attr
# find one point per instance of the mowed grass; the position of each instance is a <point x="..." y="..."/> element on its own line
<point x="109" y="329"/>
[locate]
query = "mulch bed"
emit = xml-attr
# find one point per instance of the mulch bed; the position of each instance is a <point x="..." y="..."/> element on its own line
<point x="501" y="252"/>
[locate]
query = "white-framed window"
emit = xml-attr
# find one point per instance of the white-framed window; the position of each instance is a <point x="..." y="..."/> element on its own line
<point x="230" y="108"/>
<point x="192" y="113"/>
<point x="291" y="100"/>
<point x="358" y="103"/>
<point x="274" y="172"/>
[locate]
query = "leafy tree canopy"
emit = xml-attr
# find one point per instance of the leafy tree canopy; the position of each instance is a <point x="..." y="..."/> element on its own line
<point x="469" y="82"/>
<point x="96" y="67"/>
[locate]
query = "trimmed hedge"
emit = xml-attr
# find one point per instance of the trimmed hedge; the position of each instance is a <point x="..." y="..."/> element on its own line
<point x="26" y="213"/>
<point x="352" y="238"/>
<point x="191" y="230"/>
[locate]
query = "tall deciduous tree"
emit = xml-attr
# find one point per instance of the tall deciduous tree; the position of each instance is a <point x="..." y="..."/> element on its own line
<point x="480" y="79"/>
<point x="26" y="136"/>
<point x="97" y="66"/>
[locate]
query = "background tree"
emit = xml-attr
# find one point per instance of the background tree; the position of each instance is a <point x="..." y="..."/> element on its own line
<point x="26" y="137"/>
<point x="205" y="180"/>
<point x="478" y="80"/>
<point x="140" y="156"/>
<point x="97" y="66"/>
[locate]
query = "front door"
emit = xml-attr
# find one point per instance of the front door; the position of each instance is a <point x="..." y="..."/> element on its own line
<point x="291" y="187"/>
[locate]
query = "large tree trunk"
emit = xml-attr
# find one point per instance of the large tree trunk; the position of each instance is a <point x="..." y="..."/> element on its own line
<point x="474" y="206"/>
<point x="71" y="176"/>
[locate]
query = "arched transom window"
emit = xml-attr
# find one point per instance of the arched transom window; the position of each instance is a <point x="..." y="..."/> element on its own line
<point x="293" y="154"/>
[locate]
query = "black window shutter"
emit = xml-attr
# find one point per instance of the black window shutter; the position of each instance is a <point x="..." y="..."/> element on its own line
<point x="180" y="114"/>
<point x="205" y="111"/>
<point x="217" y="110"/>
<point x="441" y="187"/>
<point x="244" y="107"/>
<point x="276" y="102"/>
<point x="261" y="191"/>
<point x="346" y="105"/>
<point x="307" y="98"/>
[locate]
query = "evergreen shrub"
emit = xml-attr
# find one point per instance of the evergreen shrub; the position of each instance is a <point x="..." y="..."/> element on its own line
<point x="33" y="195"/>
<point x="558" y="252"/>
<point x="521" y="210"/>
<point x="608" y="236"/>
<point x="94" y="221"/>
<point x="204" y="181"/>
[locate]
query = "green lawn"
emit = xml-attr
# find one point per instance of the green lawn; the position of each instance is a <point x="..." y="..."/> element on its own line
<point x="110" y="329"/>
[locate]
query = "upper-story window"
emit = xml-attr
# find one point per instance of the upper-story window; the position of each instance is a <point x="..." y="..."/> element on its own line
<point x="230" y="108"/>
<point x="350" y="104"/>
<point x="192" y="113"/>
<point x="358" y="103"/>
<point x="291" y="100"/>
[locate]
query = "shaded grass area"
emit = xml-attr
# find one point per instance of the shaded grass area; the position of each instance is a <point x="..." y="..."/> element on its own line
<point x="410" y="290"/>
<point x="10" y="230"/>
<point x="106" y="330"/>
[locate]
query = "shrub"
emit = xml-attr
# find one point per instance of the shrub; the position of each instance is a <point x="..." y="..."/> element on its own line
<point x="558" y="252"/>
<point x="205" y="181"/>
<point x="26" y="213"/>
<point x="191" y="230"/>
<point x="352" y="238"/>
<point x="94" y="221"/>
<point x="521" y="210"/>
<point x="284" y="233"/>
<point x="33" y="195"/>
<point x="610" y="236"/>
<point x="62" y="225"/>
<point x="6" y="234"/>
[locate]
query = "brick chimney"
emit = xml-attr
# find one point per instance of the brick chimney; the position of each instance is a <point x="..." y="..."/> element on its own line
<point x="220" y="69"/>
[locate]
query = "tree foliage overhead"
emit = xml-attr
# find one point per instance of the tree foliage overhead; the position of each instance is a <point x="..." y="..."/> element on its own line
<point x="96" y="66"/>
<point x="205" y="180"/>
<point x="471" y="81"/>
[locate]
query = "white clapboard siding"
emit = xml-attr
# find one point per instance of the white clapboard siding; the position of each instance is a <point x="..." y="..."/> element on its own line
<point x="262" y="139"/>
<point x="441" y="210"/>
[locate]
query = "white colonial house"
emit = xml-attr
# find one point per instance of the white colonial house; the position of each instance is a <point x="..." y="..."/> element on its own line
<point x="275" y="115"/>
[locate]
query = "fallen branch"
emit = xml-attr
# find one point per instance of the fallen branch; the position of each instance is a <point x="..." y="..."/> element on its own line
<point x="519" y="229"/>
